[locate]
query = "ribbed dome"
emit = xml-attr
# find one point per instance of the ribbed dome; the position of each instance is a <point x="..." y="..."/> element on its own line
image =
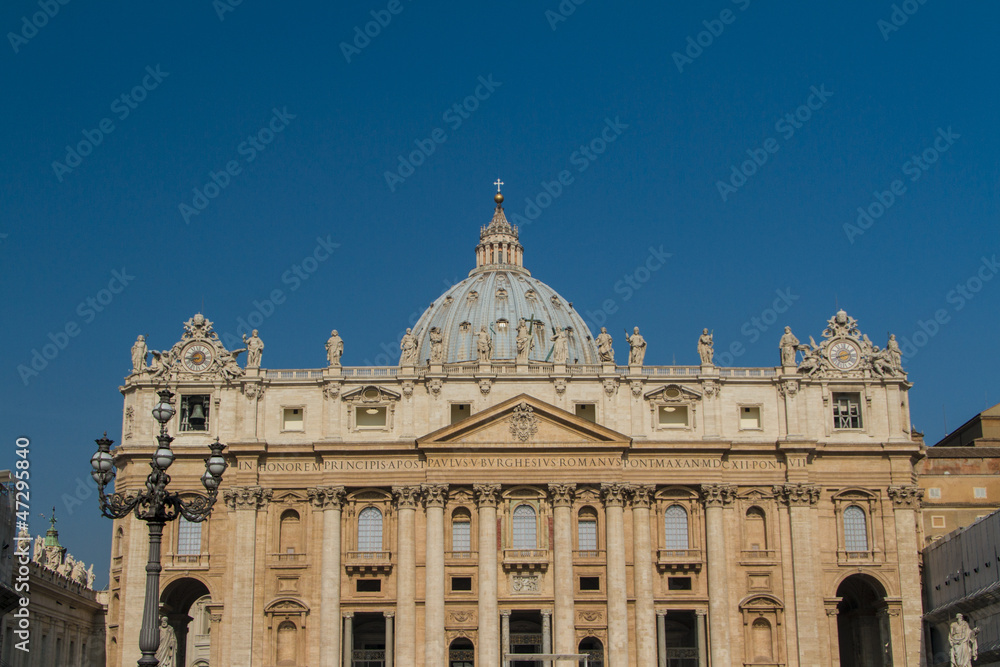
<point x="497" y="294"/>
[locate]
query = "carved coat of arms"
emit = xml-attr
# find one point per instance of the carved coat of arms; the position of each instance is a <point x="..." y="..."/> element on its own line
<point x="523" y="422"/>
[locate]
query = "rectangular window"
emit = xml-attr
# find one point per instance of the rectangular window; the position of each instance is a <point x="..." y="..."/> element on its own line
<point x="937" y="522"/>
<point x="369" y="585"/>
<point x="371" y="417"/>
<point x="461" y="536"/>
<point x="461" y="583"/>
<point x="673" y="416"/>
<point x="460" y="411"/>
<point x="590" y="583"/>
<point x="188" y="537"/>
<point x="934" y="492"/>
<point x="847" y="411"/>
<point x="194" y="412"/>
<point x="291" y="419"/>
<point x="587" y="411"/>
<point x="679" y="583"/>
<point x="979" y="492"/>
<point x="749" y="417"/>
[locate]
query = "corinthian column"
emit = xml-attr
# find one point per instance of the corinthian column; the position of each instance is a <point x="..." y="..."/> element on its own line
<point x="562" y="502"/>
<point x="715" y="497"/>
<point x="329" y="499"/>
<point x="800" y="498"/>
<point x="406" y="574"/>
<point x="905" y="502"/>
<point x="618" y="643"/>
<point x="434" y="643"/>
<point x="645" y="614"/>
<point x="243" y="502"/>
<point x="487" y="496"/>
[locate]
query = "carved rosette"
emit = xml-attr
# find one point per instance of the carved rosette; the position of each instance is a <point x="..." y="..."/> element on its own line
<point x="788" y="388"/>
<point x="487" y="495"/>
<point x="797" y="494"/>
<point x="718" y="495"/>
<point x="905" y="497"/>
<point x="523" y="422"/>
<point x="247" y="497"/>
<point x="636" y="388"/>
<point x="326" y="497"/>
<point x="434" y="386"/>
<point x="407" y="388"/>
<point x="253" y="390"/>
<point x="485" y="385"/>
<point x="711" y="389"/>
<point x="407" y="497"/>
<point x="642" y="495"/>
<point x="610" y="386"/>
<point x="435" y="495"/>
<point x="560" y="385"/>
<point x="562" y="494"/>
<point x="614" y="494"/>
<point x="332" y="390"/>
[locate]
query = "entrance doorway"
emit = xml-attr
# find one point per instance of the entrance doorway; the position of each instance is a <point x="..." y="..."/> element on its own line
<point x="461" y="653"/>
<point x="525" y="636"/>
<point x="863" y="623"/>
<point x="368" y="640"/>
<point x="183" y="602"/>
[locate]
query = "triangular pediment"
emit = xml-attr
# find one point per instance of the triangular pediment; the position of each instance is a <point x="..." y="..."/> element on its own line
<point x="524" y="422"/>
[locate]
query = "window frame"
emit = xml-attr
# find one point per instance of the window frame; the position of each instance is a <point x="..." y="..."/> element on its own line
<point x="835" y="397"/>
<point x="381" y="532"/>
<point x="514" y="535"/>
<point x="302" y="410"/>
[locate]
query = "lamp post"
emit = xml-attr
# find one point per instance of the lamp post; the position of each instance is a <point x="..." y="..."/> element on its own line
<point x="156" y="506"/>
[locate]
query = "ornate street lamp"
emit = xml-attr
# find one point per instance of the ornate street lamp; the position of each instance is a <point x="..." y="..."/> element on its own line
<point x="156" y="506"/>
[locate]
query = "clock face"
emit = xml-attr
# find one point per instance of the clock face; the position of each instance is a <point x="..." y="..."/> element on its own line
<point x="197" y="358"/>
<point x="844" y="355"/>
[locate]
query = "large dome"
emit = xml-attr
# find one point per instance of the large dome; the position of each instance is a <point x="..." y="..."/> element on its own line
<point x="498" y="293"/>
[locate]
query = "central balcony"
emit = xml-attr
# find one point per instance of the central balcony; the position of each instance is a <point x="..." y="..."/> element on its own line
<point x="679" y="560"/>
<point x="368" y="561"/>
<point x="525" y="559"/>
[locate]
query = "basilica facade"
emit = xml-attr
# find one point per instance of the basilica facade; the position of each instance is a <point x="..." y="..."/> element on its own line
<point x="510" y="488"/>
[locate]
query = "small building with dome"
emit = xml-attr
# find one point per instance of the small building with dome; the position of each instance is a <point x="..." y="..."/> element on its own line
<point x="511" y="488"/>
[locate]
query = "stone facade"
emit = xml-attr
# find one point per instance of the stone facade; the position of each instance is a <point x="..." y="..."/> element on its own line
<point x="448" y="511"/>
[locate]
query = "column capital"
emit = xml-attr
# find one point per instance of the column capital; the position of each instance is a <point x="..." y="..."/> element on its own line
<point x="247" y="497"/>
<point x="562" y="494"/>
<point x="831" y="611"/>
<point x="406" y="497"/>
<point x="348" y="614"/>
<point x="546" y="613"/>
<point x="661" y="612"/>
<point x="326" y="497"/>
<point x="702" y="613"/>
<point x="435" y="495"/>
<point x="505" y="613"/>
<point x="642" y="495"/>
<point x="389" y="614"/>
<point x="487" y="495"/>
<point x="718" y="495"/>
<point x="797" y="494"/>
<point x="905" y="497"/>
<point x="614" y="493"/>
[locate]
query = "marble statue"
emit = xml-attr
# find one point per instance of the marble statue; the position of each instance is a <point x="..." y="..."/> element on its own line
<point x="334" y="348"/>
<point x="408" y="345"/>
<point x="255" y="349"/>
<point x="882" y="363"/>
<point x="161" y="362"/>
<point x="560" y="347"/>
<point x="78" y="574"/>
<point x="963" y="642"/>
<point x="66" y="569"/>
<point x="484" y="344"/>
<point x="139" y="353"/>
<point x="90" y="577"/>
<point x="524" y="342"/>
<point x="787" y="345"/>
<point x="636" y="347"/>
<point x="812" y="359"/>
<point x="604" y="349"/>
<point x="228" y="365"/>
<point x="895" y="355"/>
<point x="705" y="348"/>
<point x="437" y="345"/>
<point x="167" y="652"/>
<point x="39" y="552"/>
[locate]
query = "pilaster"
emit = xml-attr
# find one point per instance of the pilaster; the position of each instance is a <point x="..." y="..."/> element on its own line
<point x="715" y="498"/>
<point x="407" y="498"/>
<point x="244" y="502"/>
<point x="487" y="497"/>
<point x="329" y="501"/>
<point x="614" y="496"/>
<point x="642" y="569"/>
<point x="562" y="504"/>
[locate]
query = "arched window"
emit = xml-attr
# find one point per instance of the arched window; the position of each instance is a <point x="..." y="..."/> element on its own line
<point x="461" y="653"/>
<point x="760" y="637"/>
<point x="756" y="529"/>
<point x="370" y="530"/>
<point x="593" y="647"/>
<point x="586" y="531"/>
<point x="525" y="527"/>
<point x="461" y="530"/>
<point x="290" y="533"/>
<point x="675" y="528"/>
<point x="855" y="529"/>
<point x="286" y="643"/>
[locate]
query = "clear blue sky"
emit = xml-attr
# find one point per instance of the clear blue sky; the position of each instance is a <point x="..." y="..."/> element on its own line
<point x="681" y="116"/>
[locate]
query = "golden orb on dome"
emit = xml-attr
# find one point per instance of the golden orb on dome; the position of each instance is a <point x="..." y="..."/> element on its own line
<point x="498" y="198"/>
